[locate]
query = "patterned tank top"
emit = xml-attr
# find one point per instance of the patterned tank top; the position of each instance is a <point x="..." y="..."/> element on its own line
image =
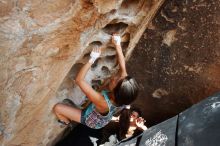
<point x="93" y="119"/>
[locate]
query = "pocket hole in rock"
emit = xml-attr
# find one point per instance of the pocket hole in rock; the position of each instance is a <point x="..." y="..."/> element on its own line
<point x="96" y="84"/>
<point x="67" y="83"/>
<point x="96" y="43"/>
<point x="109" y="51"/>
<point x="95" y="64"/>
<point x="112" y="60"/>
<point x="74" y="70"/>
<point x="130" y="3"/>
<point x="130" y="7"/>
<point x="86" y="56"/>
<point x="105" y="71"/>
<point x="124" y="46"/>
<point x="115" y="28"/>
<point x="125" y="37"/>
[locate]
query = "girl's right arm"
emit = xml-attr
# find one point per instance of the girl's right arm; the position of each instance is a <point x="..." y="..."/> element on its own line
<point x="116" y="40"/>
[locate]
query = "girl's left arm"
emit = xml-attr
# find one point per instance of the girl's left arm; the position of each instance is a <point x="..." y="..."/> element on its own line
<point x="93" y="95"/>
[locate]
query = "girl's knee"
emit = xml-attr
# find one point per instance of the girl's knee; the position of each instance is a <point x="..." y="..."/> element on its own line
<point x="57" y="107"/>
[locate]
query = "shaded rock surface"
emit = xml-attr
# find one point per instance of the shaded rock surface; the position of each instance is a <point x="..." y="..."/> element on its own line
<point x="177" y="58"/>
<point x="196" y="126"/>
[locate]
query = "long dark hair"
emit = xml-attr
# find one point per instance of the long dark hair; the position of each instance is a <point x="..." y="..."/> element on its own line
<point x="124" y="123"/>
<point x="126" y="91"/>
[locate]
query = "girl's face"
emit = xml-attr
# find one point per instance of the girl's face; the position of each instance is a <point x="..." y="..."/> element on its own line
<point x="134" y="116"/>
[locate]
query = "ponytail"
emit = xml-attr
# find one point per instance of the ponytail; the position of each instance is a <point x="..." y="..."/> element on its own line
<point x="124" y="123"/>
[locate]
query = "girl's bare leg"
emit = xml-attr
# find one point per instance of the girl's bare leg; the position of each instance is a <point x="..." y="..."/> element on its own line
<point x="66" y="113"/>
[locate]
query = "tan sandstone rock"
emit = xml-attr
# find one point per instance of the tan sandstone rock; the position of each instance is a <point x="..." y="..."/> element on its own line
<point x="42" y="46"/>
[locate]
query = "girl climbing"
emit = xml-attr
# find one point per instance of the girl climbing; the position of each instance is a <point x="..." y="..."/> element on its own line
<point x="122" y="90"/>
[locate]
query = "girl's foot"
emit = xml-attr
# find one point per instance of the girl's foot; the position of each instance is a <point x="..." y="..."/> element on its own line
<point x="70" y="125"/>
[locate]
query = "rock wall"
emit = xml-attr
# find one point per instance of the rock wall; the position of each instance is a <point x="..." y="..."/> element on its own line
<point x="43" y="44"/>
<point x="177" y="58"/>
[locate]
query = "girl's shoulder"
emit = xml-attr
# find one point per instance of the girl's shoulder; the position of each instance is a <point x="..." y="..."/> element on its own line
<point x="105" y="90"/>
<point x="105" y="93"/>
